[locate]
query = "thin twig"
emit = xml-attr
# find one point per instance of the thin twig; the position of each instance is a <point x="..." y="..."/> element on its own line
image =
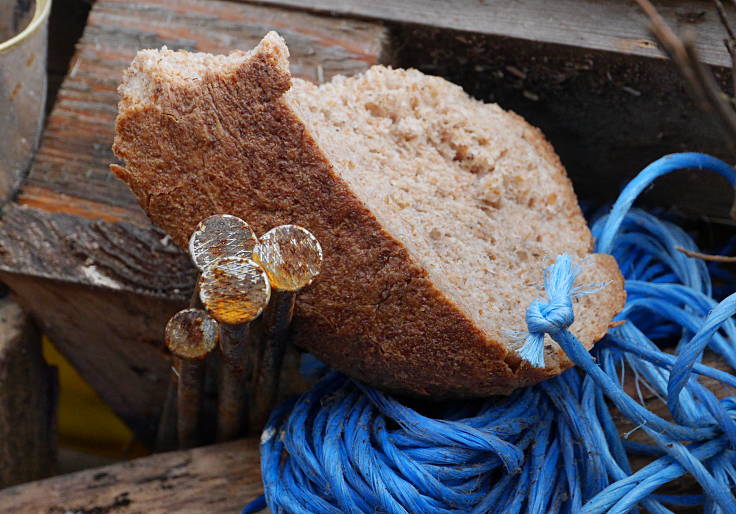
<point x="699" y="81"/>
<point x="705" y="256"/>
<point x="675" y="49"/>
<point x="724" y="19"/>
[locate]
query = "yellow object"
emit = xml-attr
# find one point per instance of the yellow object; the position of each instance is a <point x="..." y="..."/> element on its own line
<point x="85" y="423"/>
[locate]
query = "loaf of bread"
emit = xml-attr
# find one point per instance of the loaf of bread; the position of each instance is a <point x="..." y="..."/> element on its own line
<point x="437" y="213"/>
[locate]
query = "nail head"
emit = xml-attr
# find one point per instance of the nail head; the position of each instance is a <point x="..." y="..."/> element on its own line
<point x="291" y="256"/>
<point x="191" y="334"/>
<point x="234" y="290"/>
<point x="222" y="235"/>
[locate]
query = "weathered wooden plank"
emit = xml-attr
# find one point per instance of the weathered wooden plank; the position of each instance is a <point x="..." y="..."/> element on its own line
<point x="213" y="479"/>
<point x="119" y="256"/>
<point x="617" y="25"/>
<point x="27" y="401"/>
<point x="103" y="292"/>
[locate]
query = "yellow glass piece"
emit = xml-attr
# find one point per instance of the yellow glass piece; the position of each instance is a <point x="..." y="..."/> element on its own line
<point x="85" y="423"/>
<point x="234" y="290"/>
<point x="291" y="256"/>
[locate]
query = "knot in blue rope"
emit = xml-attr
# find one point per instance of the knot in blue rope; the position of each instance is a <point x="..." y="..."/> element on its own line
<point x="552" y="315"/>
<point x="549" y="317"/>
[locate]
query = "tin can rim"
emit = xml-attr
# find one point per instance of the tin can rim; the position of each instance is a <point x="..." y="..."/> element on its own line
<point x="43" y="7"/>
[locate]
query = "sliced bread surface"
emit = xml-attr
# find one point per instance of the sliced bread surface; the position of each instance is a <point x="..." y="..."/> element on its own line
<point x="437" y="213"/>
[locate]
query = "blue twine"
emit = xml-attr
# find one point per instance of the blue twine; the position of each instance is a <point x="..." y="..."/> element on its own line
<point x="553" y="447"/>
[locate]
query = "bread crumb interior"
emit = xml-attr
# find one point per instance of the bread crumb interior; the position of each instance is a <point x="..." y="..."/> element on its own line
<point x="466" y="187"/>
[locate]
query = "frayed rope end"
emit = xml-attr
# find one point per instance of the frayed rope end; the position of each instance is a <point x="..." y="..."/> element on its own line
<point x="533" y="350"/>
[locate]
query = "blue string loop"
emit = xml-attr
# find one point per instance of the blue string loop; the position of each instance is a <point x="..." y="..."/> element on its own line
<point x="660" y="167"/>
<point x="557" y="446"/>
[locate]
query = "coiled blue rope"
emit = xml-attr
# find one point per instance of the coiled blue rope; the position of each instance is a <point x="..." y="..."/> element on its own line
<point x="553" y="447"/>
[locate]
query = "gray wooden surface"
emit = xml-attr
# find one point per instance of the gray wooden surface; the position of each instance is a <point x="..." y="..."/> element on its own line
<point x="27" y="401"/>
<point x="613" y="25"/>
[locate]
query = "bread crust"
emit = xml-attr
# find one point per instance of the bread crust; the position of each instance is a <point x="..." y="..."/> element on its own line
<point x="232" y="145"/>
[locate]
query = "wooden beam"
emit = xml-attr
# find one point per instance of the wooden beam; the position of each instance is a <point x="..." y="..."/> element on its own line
<point x="221" y="478"/>
<point x="617" y="26"/>
<point x="119" y="256"/>
<point x="103" y="292"/>
<point x="27" y="401"/>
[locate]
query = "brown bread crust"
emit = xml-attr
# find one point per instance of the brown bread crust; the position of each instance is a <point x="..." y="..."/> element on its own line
<point x="232" y="145"/>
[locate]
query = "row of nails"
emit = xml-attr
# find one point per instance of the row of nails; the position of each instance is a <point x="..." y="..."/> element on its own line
<point x="241" y="278"/>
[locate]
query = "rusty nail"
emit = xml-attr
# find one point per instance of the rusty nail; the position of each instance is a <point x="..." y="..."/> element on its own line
<point x="234" y="290"/>
<point x="166" y="436"/>
<point x="190" y="335"/>
<point x="221" y="235"/>
<point x="292" y="258"/>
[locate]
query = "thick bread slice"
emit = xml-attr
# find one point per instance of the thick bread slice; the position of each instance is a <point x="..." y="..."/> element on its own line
<point x="437" y="213"/>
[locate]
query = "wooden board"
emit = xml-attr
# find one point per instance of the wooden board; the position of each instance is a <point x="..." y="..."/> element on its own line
<point x="27" y="401"/>
<point x="221" y="478"/>
<point x="76" y="248"/>
<point x="617" y="25"/>
<point x="112" y="337"/>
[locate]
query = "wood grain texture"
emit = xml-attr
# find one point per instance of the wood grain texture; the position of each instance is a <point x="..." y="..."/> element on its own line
<point x="27" y="401"/>
<point x="117" y="256"/>
<point x="103" y="292"/>
<point x="221" y="478"/>
<point x="618" y="25"/>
